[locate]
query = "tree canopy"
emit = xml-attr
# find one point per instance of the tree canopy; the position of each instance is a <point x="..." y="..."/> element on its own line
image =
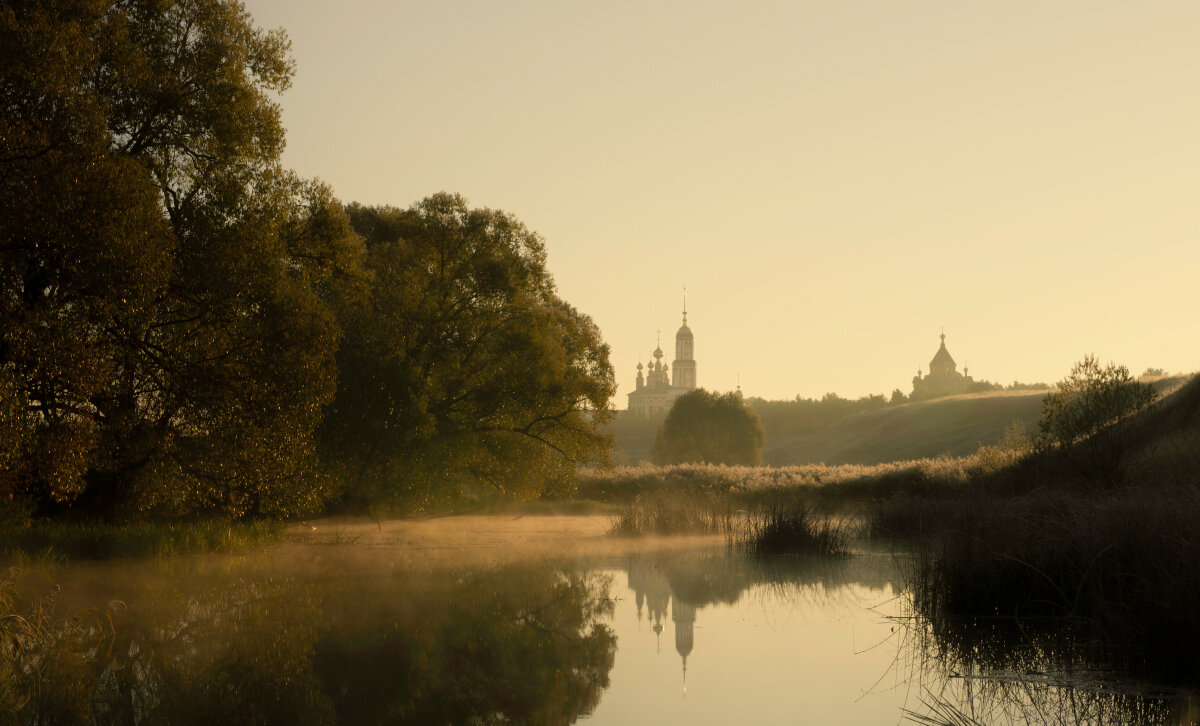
<point x="167" y="290"/>
<point x="177" y="309"/>
<point x="464" y="367"/>
<point x="711" y="428"/>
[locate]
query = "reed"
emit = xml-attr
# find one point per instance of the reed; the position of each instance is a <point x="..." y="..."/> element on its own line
<point x="662" y="513"/>
<point x="791" y="527"/>
<point x="1118" y="570"/>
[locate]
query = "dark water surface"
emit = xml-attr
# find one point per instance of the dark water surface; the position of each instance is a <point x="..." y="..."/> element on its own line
<point x="494" y="620"/>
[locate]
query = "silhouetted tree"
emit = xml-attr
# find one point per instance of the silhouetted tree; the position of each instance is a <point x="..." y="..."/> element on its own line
<point x="166" y="289"/>
<point x="464" y="367"/>
<point x="712" y="428"/>
<point x="1088" y="416"/>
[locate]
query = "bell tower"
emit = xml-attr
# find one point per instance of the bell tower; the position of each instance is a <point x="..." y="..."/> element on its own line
<point x="684" y="368"/>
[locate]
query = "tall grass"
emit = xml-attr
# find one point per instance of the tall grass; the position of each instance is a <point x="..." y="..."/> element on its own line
<point x="1118" y="570"/>
<point x="756" y="483"/>
<point x="791" y="527"/>
<point x="662" y="513"/>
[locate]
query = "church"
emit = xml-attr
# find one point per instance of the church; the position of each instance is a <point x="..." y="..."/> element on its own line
<point x="660" y="385"/>
<point x="943" y="379"/>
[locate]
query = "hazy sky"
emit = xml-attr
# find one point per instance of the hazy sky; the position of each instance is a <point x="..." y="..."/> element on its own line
<point x="833" y="181"/>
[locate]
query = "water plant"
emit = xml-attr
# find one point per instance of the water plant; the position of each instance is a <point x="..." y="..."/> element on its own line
<point x="792" y="527"/>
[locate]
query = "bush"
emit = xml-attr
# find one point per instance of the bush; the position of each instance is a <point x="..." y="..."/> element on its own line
<point x="1088" y="416"/>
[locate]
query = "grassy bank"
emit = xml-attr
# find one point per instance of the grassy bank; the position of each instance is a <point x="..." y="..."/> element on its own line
<point x="89" y="540"/>
<point x="749" y="484"/>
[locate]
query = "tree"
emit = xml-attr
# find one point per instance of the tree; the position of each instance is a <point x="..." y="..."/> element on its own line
<point x="167" y="290"/>
<point x="711" y="428"/>
<point x="1088" y="416"/>
<point x="464" y="368"/>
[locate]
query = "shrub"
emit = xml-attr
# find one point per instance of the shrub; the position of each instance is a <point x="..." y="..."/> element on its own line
<point x="1088" y="416"/>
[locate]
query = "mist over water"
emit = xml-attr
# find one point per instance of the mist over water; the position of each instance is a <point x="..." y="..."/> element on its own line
<point x="538" y="620"/>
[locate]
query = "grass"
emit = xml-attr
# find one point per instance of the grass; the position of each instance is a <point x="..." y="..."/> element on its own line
<point x="682" y="513"/>
<point x="89" y="540"/>
<point x="780" y="527"/>
<point x="751" y="484"/>
<point x="1117" y="570"/>
<point x="792" y="528"/>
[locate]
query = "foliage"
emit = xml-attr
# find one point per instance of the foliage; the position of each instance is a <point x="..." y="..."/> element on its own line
<point x="166" y="289"/>
<point x="709" y="428"/>
<point x="1089" y="415"/>
<point x="464" y="368"/>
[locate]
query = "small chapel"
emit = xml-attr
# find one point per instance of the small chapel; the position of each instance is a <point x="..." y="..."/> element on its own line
<point x="943" y="379"/>
<point x="658" y="385"/>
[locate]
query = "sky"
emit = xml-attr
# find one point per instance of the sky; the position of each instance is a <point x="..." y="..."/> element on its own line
<point x="834" y="182"/>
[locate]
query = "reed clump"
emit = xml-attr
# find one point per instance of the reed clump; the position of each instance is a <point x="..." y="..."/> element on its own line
<point x="792" y="527"/>
<point x="682" y="513"/>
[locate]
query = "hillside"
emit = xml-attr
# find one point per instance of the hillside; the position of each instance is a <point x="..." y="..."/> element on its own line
<point x="953" y="426"/>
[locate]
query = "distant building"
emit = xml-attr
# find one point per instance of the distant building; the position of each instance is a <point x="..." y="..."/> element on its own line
<point x="656" y="390"/>
<point x="943" y="379"/>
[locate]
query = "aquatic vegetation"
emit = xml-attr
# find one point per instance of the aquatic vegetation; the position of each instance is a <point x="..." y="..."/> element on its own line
<point x="1117" y="570"/>
<point x="665" y="513"/>
<point x="792" y="527"/>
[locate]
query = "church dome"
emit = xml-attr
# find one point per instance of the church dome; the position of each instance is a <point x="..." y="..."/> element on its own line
<point x="684" y="332"/>
<point x="658" y="352"/>
<point x="942" y="362"/>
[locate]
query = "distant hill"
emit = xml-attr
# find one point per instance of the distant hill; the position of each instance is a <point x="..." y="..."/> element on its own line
<point x="954" y="426"/>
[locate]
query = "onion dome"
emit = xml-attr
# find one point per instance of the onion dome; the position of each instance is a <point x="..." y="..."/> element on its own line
<point x="942" y="362"/>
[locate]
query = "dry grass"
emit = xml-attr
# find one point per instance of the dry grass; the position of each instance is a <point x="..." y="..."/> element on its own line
<point x="624" y="484"/>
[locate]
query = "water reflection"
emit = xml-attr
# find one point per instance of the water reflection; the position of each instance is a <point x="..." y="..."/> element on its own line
<point x="520" y="645"/>
<point x="341" y="634"/>
<point x="1012" y="671"/>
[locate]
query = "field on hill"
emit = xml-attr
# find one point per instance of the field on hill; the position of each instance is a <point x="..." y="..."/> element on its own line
<point x="954" y="426"/>
<point x="926" y="429"/>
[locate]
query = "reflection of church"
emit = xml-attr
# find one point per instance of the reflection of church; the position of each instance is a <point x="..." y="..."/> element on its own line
<point x="943" y="379"/>
<point x="655" y="391"/>
<point x="652" y="590"/>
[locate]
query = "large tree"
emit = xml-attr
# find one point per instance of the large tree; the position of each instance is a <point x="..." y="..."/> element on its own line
<point x="465" y="367"/>
<point x="711" y="428"/>
<point x="167" y="290"/>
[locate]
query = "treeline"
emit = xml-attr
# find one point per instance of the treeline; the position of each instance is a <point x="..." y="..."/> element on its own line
<point x="808" y="415"/>
<point x="186" y="326"/>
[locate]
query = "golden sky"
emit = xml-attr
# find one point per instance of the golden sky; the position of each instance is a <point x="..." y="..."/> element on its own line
<point x="834" y="182"/>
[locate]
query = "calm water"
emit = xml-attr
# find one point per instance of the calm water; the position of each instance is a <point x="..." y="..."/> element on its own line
<point x="494" y="620"/>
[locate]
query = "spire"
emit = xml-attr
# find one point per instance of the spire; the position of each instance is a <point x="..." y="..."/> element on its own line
<point x="685" y="304"/>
